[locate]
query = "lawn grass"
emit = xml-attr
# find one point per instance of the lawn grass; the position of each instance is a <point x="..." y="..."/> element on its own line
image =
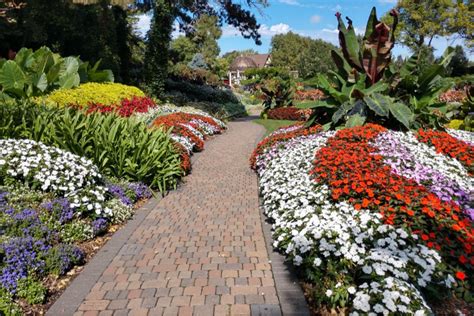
<point x="272" y="125"/>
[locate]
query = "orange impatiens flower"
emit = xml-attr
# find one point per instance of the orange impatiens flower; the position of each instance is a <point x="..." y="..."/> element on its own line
<point x="355" y="172"/>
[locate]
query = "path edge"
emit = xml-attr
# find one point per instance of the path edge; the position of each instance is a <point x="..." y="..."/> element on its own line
<point x="289" y="292"/>
<point x="70" y="300"/>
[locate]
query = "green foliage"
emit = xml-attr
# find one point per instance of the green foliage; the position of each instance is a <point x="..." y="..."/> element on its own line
<point x="36" y="73"/>
<point x="156" y="55"/>
<point x="274" y="83"/>
<point x="366" y="88"/>
<point x="94" y="32"/>
<point x="182" y="50"/>
<point x="182" y="92"/>
<point x="198" y="62"/>
<point x="373" y="55"/>
<point x="76" y="231"/>
<point x="206" y="34"/>
<point x="7" y="306"/>
<point x="31" y="290"/>
<point x="421" y="21"/>
<point x="61" y="257"/>
<point x="306" y="55"/>
<point x="119" y="147"/>
<point x="459" y="64"/>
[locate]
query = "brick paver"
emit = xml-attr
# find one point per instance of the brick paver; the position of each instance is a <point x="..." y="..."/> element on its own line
<point x="201" y="250"/>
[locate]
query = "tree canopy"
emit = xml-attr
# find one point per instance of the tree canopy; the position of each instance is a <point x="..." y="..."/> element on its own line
<point x="306" y="55"/>
<point x="420" y="21"/>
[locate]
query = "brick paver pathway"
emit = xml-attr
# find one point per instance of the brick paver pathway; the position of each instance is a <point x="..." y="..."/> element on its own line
<point x="201" y="249"/>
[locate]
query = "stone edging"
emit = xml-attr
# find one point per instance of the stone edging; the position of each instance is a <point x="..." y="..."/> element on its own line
<point x="290" y="294"/>
<point x="76" y="292"/>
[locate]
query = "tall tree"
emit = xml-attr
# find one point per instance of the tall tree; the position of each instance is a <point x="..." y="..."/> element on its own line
<point x="420" y="21"/>
<point x="306" y="55"/>
<point x="185" y="12"/>
<point x="206" y="34"/>
<point x="156" y="55"/>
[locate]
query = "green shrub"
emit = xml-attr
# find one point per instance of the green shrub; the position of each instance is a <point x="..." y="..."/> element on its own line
<point x="103" y="93"/>
<point x="200" y="92"/>
<point x="7" y="306"/>
<point x="31" y="290"/>
<point x="120" y="147"/>
<point x="76" y="231"/>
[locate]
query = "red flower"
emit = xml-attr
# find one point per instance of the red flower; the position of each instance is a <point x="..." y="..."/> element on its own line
<point x="460" y="275"/>
<point x="289" y="113"/>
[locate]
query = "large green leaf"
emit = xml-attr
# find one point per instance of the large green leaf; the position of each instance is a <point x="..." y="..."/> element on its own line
<point x="378" y="103"/>
<point x="69" y="80"/>
<point x="355" y="120"/>
<point x="402" y="113"/>
<point x="343" y="109"/>
<point x="12" y="77"/>
<point x="41" y="82"/>
<point x="371" y="23"/>
<point x="409" y="66"/>
<point x="349" y="43"/>
<point x="316" y="104"/>
<point x="71" y="65"/>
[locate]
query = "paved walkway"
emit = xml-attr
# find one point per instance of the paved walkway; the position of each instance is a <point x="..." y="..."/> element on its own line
<point x="200" y="250"/>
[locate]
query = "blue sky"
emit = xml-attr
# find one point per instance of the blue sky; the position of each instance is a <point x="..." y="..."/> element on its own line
<point x="314" y="18"/>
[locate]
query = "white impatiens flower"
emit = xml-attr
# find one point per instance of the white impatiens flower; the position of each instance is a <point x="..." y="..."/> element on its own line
<point x="309" y="224"/>
<point x="54" y="170"/>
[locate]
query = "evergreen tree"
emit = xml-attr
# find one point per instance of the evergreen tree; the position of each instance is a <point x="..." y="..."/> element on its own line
<point x="158" y="39"/>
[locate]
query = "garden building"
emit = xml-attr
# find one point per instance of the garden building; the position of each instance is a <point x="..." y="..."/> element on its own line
<point x="242" y="63"/>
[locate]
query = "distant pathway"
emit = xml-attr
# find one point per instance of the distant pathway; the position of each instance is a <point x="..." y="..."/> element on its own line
<point x="199" y="251"/>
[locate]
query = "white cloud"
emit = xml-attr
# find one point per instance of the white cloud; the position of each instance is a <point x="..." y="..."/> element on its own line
<point x="143" y="24"/>
<point x="280" y="28"/>
<point x="337" y="8"/>
<point x="265" y="30"/>
<point x="315" y="19"/>
<point x="289" y="2"/>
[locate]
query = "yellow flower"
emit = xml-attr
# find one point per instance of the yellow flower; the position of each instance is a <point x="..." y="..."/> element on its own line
<point x="104" y="93"/>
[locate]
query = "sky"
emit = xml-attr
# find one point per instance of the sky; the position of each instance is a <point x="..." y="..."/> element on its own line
<point x="313" y="18"/>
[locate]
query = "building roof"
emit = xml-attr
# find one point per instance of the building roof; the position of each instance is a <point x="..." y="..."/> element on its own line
<point x="250" y="61"/>
<point x="260" y="59"/>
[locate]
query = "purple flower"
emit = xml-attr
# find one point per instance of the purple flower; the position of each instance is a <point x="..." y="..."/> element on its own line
<point x="141" y="190"/>
<point x="60" y="209"/>
<point x="63" y="257"/>
<point x="119" y="192"/>
<point x="21" y="256"/>
<point x="99" y="226"/>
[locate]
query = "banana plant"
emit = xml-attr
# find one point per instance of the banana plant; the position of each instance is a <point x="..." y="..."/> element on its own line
<point x="374" y="55"/>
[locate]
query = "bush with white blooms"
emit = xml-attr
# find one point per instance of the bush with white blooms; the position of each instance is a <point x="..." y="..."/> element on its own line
<point x="51" y="169"/>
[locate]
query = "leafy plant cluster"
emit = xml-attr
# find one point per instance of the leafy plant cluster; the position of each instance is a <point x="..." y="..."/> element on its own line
<point x="119" y="147"/>
<point x="275" y="84"/>
<point x="37" y="73"/>
<point x="367" y="87"/>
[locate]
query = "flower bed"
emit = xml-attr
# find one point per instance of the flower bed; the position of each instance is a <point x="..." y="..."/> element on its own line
<point x="51" y="203"/>
<point x="288" y="113"/>
<point x="309" y="95"/>
<point x="188" y="130"/>
<point x="378" y="220"/>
